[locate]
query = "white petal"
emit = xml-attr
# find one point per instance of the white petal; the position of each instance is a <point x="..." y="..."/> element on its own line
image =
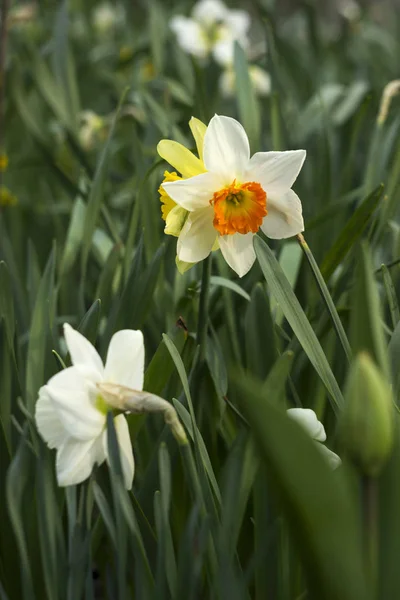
<point x="84" y="355"/>
<point x="333" y="459"/>
<point x="75" y="460"/>
<point x="261" y="80"/>
<point x="226" y="148"/>
<point x="73" y="398"/>
<point x="284" y="218"/>
<point x="209" y="11"/>
<point x="276" y="172"/>
<point x="125" y="359"/>
<point x="190" y="36"/>
<point x="197" y="236"/>
<point x="227" y="83"/>
<point x="125" y="449"/>
<point x="307" y="419"/>
<point x="47" y="420"/>
<point x="223" y="51"/>
<point x="239" y="23"/>
<point x="238" y="251"/>
<point x="195" y="192"/>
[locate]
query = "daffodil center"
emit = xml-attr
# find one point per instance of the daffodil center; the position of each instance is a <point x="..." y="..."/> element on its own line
<point x="239" y="208"/>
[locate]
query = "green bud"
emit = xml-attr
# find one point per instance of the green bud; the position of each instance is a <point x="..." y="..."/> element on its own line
<point x="367" y="428"/>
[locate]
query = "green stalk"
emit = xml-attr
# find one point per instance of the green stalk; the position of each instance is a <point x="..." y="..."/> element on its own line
<point x="371" y="532"/>
<point x="203" y="308"/>
<point x="327" y="298"/>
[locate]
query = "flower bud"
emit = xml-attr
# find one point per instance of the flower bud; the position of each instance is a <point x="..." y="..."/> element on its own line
<point x="367" y="430"/>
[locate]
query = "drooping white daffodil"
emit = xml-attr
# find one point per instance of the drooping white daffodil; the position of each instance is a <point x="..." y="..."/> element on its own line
<point x="71" y="411"/>
<point x="307" y="419"/>
<point x="212" y="29"/>
<point x="260" y="79"/>
<point x="230" y="196"/>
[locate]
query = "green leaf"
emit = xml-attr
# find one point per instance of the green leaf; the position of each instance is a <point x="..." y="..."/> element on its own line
<point x="297" y="319"/>
<point x="394" y="355"/>
<point x="89" y="325"/>
<point x="16" y="486"/>
<point x="327" y="298"/>
<point x="249" y="112"/>
<point x="74" y="236"/>
<point x="389" y="502"/>
<point x="366" y="331"/>
<point x="96" y="194"/>
<point x="7" y="304"/>
<point x="391" y="296"/>
<point x="261" y="343"/>
<point x="230" y="285"/>
<point x="41" y="326"/>
<point x="351" y="232"/>
<point x="316" y="500"/>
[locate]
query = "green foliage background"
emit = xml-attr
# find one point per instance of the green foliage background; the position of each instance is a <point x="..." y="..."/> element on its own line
<point x="249" y="509"/>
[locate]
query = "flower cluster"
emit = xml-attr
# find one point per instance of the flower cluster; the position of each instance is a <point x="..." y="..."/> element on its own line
<point x="222" y="198"/>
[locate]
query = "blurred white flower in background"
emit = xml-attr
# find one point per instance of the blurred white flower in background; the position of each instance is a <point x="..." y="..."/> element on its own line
<point x="259" y="78"/>
<point x="106" y="17"/>
<point x="92" y="129"/>
<point x="212" y="29"/>
<point x="307" y="419"/>
<point x="71" y="412"/>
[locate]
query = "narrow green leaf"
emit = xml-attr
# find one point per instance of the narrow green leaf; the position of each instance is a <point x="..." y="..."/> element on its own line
<point x="96" y="194"/>
<point x="74" y="236"/>
<point x="391" y="296"/>
<point x="366" y="331"/>
<point x="16" y="484"/>
<point x="7" y="304"/>
<point x="389" y="502"/>
<point x="261" y="343"/>
<point x="230" y="285"/>
<point x="296" y="318"/>
<point x="89" y="325"/>
<point x="41" y="326"/>
<point x="327" y="298"/>
<point x="394" y="355"/>
<point x="352" y="232"/>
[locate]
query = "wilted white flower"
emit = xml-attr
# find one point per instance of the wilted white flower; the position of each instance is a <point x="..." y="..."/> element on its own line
<point x="230" y="196"/>
<point x="259" y="78"/>
<point x="92" y="129"/>
<point x="71" y="412"/>
<point x="307" y="419"/>
<point x="212" y="29"/>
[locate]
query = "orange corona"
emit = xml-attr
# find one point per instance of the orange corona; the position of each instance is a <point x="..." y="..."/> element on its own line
<point x="239" y="208"/>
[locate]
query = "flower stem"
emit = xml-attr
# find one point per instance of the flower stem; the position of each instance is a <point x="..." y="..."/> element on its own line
<point x="203" y="307"/>
<point x="370" y="520"/>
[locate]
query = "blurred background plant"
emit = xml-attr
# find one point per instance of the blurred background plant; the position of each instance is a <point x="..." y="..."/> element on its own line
<point x="251" y="509"/>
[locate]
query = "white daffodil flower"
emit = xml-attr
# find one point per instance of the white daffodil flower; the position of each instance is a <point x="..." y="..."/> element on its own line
<point x="212" y="29"/>
<point x="71" y="411"/>
<point x="234" y="196"/>
<point x="307" y="419"/>
<point x="259" y="78"/>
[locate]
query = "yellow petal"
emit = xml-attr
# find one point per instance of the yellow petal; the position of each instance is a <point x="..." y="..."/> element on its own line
<point x="198" y="129"/>
<point x="180" y="158"/>
<point x="175" y="221"/>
